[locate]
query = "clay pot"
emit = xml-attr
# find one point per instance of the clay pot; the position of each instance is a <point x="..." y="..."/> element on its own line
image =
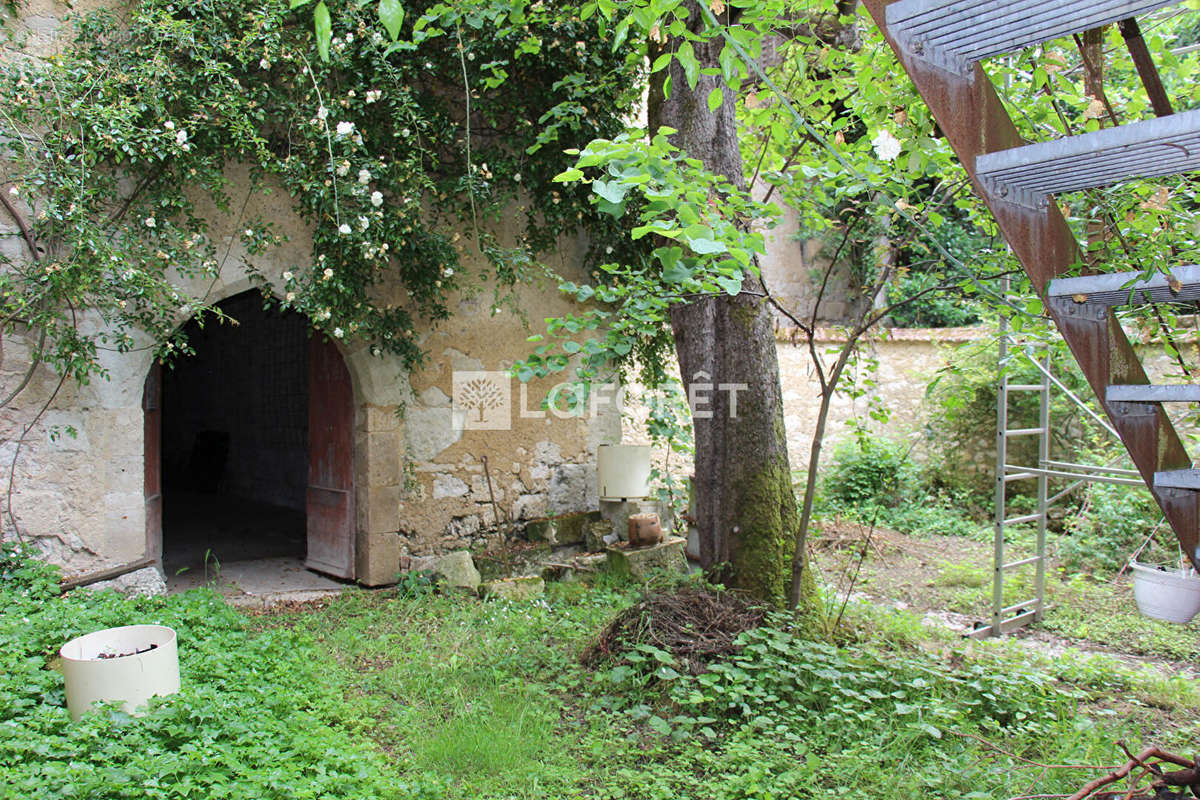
<point x="644" y="529"/>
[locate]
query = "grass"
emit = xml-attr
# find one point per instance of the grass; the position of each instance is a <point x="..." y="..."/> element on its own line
<point x="417" y="695"/>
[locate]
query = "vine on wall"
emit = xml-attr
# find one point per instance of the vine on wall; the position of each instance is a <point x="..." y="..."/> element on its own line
<point x="112" y="146"/>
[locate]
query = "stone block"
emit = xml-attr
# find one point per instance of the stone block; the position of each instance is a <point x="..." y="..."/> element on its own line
<point x="530" y="506"/>
<point x="571" y="528"/>
<point x="594" y="533"/>
<point x="640" y="561"/>
<point x="458" y="568"/>
<point x="514" y="589"/>
<point x="382" y="419"/>
<point x="541" y="530"/>
<point x="383" y="509"/>
<point x="378" y="559"/>
<point x="571" y="487"/>
<point x="147" y="582"/>
<point x="449" y="486"/>
<point x="383" y="458"/>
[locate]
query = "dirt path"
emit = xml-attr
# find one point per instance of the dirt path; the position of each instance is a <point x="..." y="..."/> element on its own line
<point x="948" y="580"/>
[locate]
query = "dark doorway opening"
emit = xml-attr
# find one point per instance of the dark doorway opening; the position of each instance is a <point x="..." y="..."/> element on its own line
<point x="234" y="444"/>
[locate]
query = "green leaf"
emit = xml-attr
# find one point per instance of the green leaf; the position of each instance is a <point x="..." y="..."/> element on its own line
<point x="659" y="724"/>
<point x="731" y="284"/>
<point x="612" y="192"/>
<point x="706" y="246"/>
<point x="715" y="98"/>
<point x="391" y="14"/>
<point x="324" y="29"/>
<point x="686" y="57"/>
<point x="571" y="346"/>
<point x="568" y="175"/>
<point x="297" y="3"/>
<point x="677" y="273"/>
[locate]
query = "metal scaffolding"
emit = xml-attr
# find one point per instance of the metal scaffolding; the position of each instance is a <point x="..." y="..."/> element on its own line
<point x="1007" y="618"/>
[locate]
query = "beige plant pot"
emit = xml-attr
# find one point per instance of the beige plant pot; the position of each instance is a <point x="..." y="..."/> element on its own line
<point x="130" y="665"/>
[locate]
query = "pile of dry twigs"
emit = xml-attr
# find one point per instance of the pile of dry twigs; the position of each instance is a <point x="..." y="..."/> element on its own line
<point x="1147" y="780"/>
<point x="694" y="625"/>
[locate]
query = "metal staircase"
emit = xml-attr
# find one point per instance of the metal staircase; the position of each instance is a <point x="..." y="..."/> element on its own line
<point x="940" y="43"/>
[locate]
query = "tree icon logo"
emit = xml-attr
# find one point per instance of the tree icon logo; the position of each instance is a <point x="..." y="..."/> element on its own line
<point x="482" y="400"/>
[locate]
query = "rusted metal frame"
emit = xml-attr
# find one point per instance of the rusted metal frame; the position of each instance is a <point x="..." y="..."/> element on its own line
<point x="1144" y="63"/>
<point x="974" y="121"/>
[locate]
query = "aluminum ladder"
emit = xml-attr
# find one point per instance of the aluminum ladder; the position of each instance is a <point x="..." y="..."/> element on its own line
<point x="940" y="43"/>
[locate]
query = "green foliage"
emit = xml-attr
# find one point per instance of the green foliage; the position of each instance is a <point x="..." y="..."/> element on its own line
<point x="252" y="719"/>
<point x="916" y="303"/>
<point x="869" y="470"/>
<point x="960" y="414"/>
<point x="120" y="143"/>
<point x="840" y="696"/>
<point x="704" y="246"/>
<point x="1093" y="610"/>
<point x="1109" y="525"/>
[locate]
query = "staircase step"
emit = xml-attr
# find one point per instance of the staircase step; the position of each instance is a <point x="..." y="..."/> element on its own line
<point x="1178" y="479"/>
<point x="954" y="34"/>
<point x="1125" y="288"/>
<point x="1151" y="393"/>
<point x="1145" y="149"/>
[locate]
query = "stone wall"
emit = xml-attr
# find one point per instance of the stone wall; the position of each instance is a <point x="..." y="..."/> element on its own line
<point x="420" y="484"/>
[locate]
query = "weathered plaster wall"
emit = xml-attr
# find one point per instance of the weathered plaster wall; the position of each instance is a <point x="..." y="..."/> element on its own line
<point x="907" y="361"/>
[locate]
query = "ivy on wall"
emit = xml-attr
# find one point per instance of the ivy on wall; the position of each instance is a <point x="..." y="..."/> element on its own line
<point x="114" y="147"/>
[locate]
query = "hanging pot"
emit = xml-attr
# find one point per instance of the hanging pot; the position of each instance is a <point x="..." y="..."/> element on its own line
<point x="1167" y="593"/>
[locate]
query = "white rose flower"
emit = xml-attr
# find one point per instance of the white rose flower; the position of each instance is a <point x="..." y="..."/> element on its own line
<point x="517" y="177"/>
<point x="337" y="333"/>
<point x="345" y="128"/>
<point x="377" y="199"/>
<point x="169" y="125"/>
<point x="249" y="233"/>
<point x="181" y="137"/>
<point x="290" y="296"/>
<point x="151" y="222"/>
<point x="14" y="191"/>
<point x="343" y="229"/>
<point x="264" y="64"/>
<point x="887" y="146"/>
<point x="287" y="275"/>
<point x="322" y="112"/>
<point x="328" y="273"/>
<point x="447" y="272"/>
<point x="343" y="168"/>
<point x="404" y="132"/>
<point x="363" y="223"/>
<point x="364" y="176"/>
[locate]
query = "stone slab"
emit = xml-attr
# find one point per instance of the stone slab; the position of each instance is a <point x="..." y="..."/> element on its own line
<point x="638" y="562"/>
<point x="514" y="589"/>
<point x="458" y="568"/>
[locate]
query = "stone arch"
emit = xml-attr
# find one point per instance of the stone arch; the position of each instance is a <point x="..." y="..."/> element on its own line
<point x="351" y="420"/>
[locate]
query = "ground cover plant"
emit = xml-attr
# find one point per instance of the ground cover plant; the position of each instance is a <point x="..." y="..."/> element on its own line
<point x="415" y="693"/>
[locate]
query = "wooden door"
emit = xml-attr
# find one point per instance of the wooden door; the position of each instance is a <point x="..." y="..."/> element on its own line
<point x="152" y="460"/>
<point x="330" y="495"/>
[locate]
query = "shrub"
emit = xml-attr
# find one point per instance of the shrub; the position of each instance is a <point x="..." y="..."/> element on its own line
<point x="869" y="471"/>
<point x="1110" y="524"/>
<point x="938" y="309"/>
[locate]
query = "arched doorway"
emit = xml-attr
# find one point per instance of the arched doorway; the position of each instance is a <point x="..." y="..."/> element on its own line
<point x="254" y="445"/>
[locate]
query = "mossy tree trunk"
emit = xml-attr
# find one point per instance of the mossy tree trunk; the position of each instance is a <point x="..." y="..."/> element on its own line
<point x="745" y="507"/>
